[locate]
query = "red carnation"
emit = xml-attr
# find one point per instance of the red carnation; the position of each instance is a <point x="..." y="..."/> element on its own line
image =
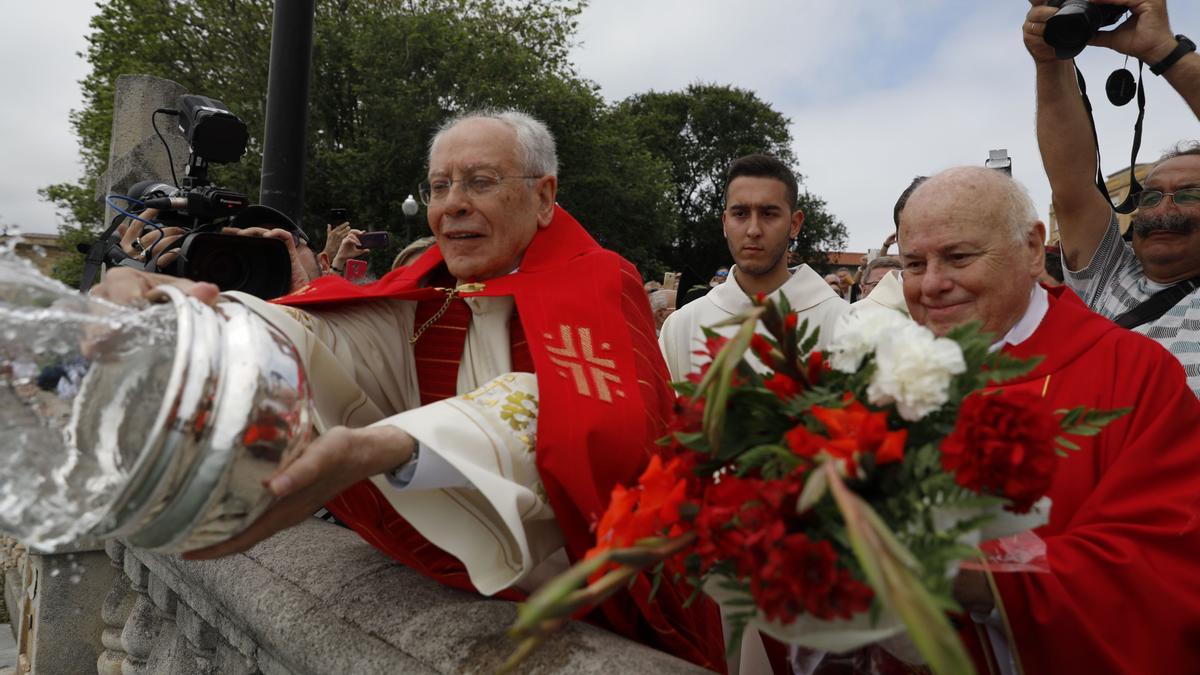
<point x="783" y="386"/>
<point x="1003" y="444"/>
<point x="791" y="321"/>
<point x="762" y="348"/>
<point x="800" y="575"/>
<point x="816" y="367"/>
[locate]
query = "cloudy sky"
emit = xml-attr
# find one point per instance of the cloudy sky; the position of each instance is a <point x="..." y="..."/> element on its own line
<point x="877" y="92"/>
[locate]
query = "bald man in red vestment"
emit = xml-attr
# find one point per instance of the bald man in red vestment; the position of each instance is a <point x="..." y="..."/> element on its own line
<point x="476" y="408"/>
<point x="1122" y="594"/>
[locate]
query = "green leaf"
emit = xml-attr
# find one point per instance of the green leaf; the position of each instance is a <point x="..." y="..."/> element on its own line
<point x="886" y="565"/>
<point x="1062" y="441"/>
<point x="815" y="487"/>
<point x="719" y="379"/>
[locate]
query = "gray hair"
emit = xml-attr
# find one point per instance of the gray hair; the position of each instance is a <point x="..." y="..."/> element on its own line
<point x="884" y="261"/>
<point x="661" y="299"/>
<point x="1180" y="149"/>
<point x="1022" y="214"/>
<point x="535" y="143"/>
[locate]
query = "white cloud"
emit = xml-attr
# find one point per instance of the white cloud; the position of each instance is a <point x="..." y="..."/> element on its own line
<point x="877" y="92"/>
<point x="38" y="46"/>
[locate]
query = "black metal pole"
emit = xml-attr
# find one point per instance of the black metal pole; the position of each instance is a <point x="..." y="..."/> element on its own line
<point x="284" y="141"/>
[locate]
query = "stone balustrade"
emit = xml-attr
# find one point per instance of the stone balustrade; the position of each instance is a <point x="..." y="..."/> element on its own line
<point x="313" y="599"/>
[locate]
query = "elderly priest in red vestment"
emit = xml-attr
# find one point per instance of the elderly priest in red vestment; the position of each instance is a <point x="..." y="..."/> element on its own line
<point x="476" y="408"/>
<point x="1122" y="594"/>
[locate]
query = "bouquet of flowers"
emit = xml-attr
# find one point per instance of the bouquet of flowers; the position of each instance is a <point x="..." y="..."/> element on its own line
<point x="828" y="498"/>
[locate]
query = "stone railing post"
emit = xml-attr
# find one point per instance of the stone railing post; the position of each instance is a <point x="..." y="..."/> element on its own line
<point x="135" y="152"/>
<point x="114" y="613"/>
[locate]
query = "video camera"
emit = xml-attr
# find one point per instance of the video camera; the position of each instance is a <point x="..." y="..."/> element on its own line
<point x="255" y="265"/>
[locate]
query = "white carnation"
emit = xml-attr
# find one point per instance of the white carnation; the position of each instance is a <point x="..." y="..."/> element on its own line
<point x="914" y="369"/>
<point x="858" y="334"/>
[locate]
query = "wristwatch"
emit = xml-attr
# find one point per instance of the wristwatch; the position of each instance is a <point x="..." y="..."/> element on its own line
<point x="1184" y="47"/>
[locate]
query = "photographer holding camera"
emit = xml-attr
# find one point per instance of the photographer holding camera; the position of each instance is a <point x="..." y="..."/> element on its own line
<point x="1149" y="285"/>
<point x="140" y="245"/>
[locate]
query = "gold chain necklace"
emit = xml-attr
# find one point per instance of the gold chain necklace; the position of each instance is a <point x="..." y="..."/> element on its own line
<point x="451" y="294"/>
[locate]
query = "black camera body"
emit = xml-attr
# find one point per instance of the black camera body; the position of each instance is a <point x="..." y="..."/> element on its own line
<point x="1075" y="22"/>
<point x="256" y="265"/>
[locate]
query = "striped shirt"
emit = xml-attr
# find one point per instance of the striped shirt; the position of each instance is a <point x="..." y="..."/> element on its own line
<point x="1114" y="283"/>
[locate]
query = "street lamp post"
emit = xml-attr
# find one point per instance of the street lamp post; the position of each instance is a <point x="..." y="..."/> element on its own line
<point x="409" y="207"/>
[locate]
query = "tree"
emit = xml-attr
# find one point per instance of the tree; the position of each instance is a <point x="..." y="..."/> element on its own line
<point x="698" y="132"/>
<point x="387" y="73"/>
<point x="385" y="76"/>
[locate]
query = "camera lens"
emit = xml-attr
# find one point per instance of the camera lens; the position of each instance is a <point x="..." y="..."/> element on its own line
<point x="254" y="265"/>
<point x="1069" y="30"/>
<point x="225" y="269"/>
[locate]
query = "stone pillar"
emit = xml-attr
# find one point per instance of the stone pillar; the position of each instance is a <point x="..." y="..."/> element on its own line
<point x="61" y="619"/>
<point x="114" y="613"/>
<point x="135" y="152"/>
<point x="144" y="623"/>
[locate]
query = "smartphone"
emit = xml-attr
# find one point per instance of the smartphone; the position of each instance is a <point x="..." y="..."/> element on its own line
<point x="356" y="270"/>
<point x="670" y="281"/>
<point x="338" y="216"/>
<point x="380" y="239"/>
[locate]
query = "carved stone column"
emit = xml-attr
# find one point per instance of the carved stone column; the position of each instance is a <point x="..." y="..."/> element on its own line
<point x="144" y="622"/>
<point x="201" y="639"/>
<point x="115" y="612"/>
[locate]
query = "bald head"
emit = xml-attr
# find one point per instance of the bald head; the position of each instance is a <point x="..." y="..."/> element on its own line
<point x="979" y="188"/>
<point x="972" y="249"/>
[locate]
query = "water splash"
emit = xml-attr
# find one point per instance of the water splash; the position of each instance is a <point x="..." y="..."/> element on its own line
<point x="60" y="468"/>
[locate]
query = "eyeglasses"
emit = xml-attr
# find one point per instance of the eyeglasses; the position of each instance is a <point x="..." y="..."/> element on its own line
<point x="1184" y="197"/>
<point x="476" y="186"/>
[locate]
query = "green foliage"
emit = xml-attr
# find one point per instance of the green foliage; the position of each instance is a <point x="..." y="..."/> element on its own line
<point x="69" y="268"/>
<point x="698" y="132"/>
<point x="643" y="175"/>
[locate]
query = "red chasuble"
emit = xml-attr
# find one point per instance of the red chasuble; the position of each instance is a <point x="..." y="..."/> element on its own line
<point x="1123" y="541"/>
<point x="603" y="400"/>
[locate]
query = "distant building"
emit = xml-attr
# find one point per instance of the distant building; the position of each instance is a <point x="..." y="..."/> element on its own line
<point x="44" y="250"/>
<point x="851" y="260"/>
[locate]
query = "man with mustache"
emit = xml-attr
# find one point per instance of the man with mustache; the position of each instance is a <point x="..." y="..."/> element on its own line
<point x="759" y="221"/>
<point x="1149" y="285"/>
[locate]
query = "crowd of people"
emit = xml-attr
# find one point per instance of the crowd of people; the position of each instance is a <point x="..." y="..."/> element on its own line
<point x="407" y="371"/>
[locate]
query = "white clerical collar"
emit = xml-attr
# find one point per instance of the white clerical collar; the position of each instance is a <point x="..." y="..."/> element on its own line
<point x="1039" y="304"/>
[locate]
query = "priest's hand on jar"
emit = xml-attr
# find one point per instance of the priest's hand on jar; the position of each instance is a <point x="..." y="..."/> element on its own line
<point x="333" y="462"/>
<point x="127" y="286"/>
<point x="136" y="289"/>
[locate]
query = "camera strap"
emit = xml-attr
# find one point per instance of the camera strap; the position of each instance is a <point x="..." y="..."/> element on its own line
<point x="1130" y="203"/>
<point x="96" y="255"/>
<point x="1158" y="304"/>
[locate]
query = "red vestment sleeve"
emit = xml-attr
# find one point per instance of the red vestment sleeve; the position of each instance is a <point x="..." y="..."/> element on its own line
<point x="1123" y="592"/>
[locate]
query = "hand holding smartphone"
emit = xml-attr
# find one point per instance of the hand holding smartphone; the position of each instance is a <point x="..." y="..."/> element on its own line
<point x="380" y="239"/>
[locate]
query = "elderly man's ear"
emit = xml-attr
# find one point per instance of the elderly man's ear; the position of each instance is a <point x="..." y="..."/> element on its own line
<point x="1035" y="246"/>
<point x="546" y="190"/>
